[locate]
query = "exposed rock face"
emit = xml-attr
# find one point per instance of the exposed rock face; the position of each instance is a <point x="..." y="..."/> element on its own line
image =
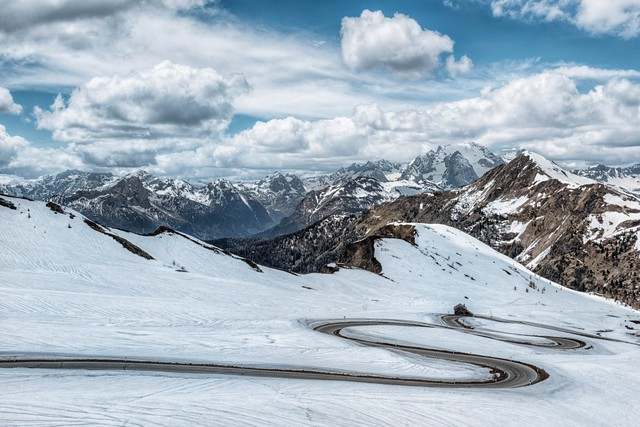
<point x="451" y="166"/>
<point x="361" y="253"/>
<point x="279" y="193"/>
<point x="461" y="310"/>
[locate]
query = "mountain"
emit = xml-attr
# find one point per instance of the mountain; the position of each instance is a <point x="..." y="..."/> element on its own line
<point x="60" y="185"/>
<point x="345" y="197"/>
<point x="279" y="193"/>
<point x="627" y="177"/>
<point x="451" y="166"/>
<point x="209" y="338"/>
<point x="570" y="229"/>
<point x="141" y="202"/>
<point x="361" y="186"/>
<point x="382" y="170"/>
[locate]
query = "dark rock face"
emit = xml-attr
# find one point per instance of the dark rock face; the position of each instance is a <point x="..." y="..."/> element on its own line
<point x="7" y="204"/>
<point x="459" y="171"/>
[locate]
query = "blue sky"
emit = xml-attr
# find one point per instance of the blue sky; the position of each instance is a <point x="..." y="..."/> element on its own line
<point x="475" y="30"/>
<point x="305" y="85"/>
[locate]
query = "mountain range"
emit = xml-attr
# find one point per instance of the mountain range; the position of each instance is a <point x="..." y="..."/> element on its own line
<point x="627" y="177"/>
<point x="568" y="228"/>
<point x="271" y="206"/>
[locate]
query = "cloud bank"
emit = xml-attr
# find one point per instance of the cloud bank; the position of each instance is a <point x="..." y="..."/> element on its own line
<point x="550" y="112"/>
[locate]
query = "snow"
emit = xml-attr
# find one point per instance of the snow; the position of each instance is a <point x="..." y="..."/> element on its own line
<point x="550" y="170"/>
<point x="625" y="202"/>
<point x="505" y="207"/>
<point x="73" y="290"/>
<point x="467" y="200"/>
<point x="538" y="259"/>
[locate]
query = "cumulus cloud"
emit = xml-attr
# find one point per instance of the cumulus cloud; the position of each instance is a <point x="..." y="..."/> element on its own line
<point x="7" y="104"/>
<point x="398" y="43"/>
<point x="460" y="66"/>
<point x="167" y="101"/>
<point x="551" y="112"/>
<point x="546" y="112"/>
<point x="617" y="17"/>
<point x="9" y="146"/>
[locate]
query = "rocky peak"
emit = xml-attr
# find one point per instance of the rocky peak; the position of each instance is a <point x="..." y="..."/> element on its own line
<point x="378" y="169"/>
<point x="451" y="166"/>
<point x="279" y="183"/>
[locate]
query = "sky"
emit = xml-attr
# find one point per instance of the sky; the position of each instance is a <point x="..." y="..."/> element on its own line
<point x="240" y="88"/>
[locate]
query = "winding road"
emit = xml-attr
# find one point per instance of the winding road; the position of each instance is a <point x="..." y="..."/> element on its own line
<point x="505" y="373"/>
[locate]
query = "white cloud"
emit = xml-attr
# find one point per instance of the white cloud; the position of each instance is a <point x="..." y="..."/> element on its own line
<point x="24" y="14"/>
<point x="7" y="104"/>
<point x="17" y="15"/>
<point x="550" y="112"/>
<point x="398" y="43"/>
<point x="9" y="147"/>
<point x="460" y="66"/>
<point x="546" y="112"/>
<point x="610" y="17"/>
<point x="617" y="17"/>
<point x="69" y="53"/>
<point x="169" y="100"/>
<point x="593" y="73"/>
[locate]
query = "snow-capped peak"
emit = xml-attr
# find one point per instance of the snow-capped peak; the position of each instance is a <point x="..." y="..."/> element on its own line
<point x="550" y="170"/>
<point x="453" y="165"/>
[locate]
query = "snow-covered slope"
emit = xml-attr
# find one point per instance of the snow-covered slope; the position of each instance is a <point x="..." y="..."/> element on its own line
<point x="69" y="287"/>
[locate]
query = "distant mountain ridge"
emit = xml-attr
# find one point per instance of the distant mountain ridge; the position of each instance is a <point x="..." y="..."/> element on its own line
<point x="627" y="177"/>
<point x="141" y="202"/>
<point x="361" y="186"/>
<point x="276" y="204"/>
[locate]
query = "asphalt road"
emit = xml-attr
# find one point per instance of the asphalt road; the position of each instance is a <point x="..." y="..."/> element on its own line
<point x="504" y="373"/>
